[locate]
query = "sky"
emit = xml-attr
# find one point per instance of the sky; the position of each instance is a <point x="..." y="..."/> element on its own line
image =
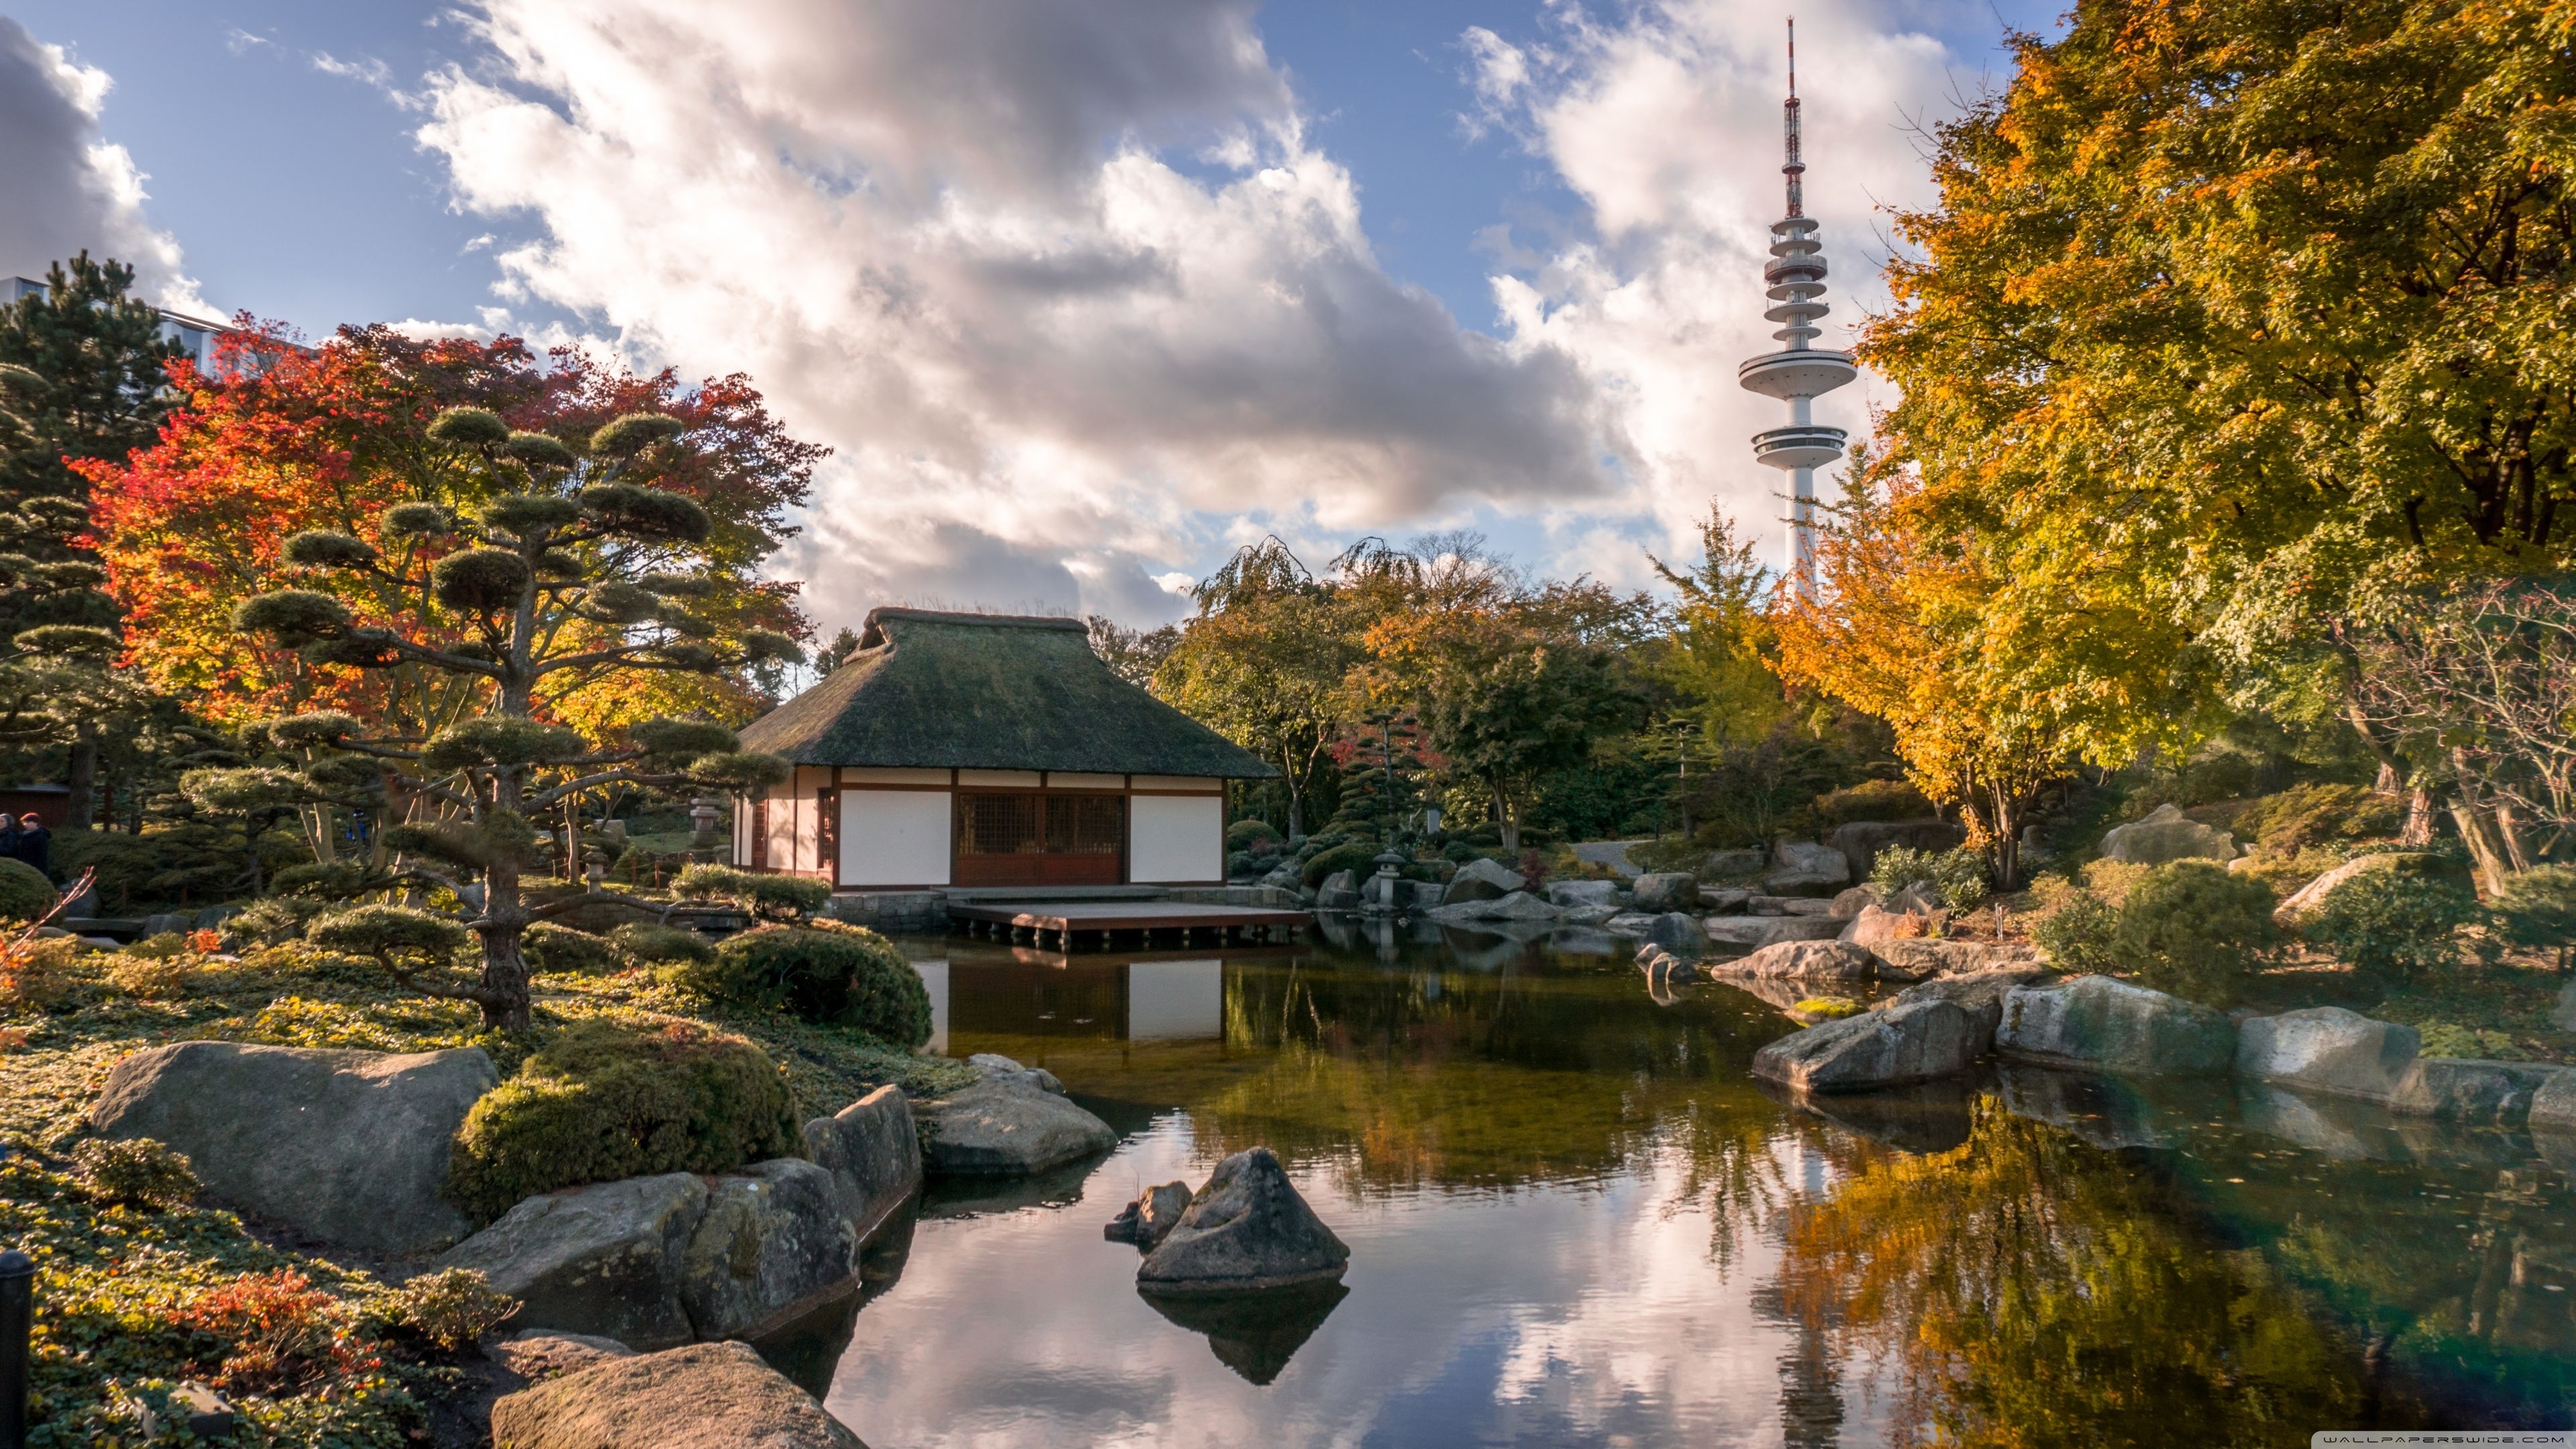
<point x="1083" y="294"/>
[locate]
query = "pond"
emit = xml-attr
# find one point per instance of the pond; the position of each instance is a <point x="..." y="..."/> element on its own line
<point x="1575" y="1219"/>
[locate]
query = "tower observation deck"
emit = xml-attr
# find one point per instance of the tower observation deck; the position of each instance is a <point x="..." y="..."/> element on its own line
<point x="1797" y="374"/>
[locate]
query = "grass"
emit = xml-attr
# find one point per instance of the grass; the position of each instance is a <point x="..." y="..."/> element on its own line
<point x="120" y="1287"/>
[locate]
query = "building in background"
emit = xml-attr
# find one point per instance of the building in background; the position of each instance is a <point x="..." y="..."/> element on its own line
<point x="195" y="335"/>
<point x="963" y="750"/>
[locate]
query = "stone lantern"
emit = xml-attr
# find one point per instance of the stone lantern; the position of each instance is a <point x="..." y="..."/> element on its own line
<point x="703" y="815"/>
<point x="594" y="864"/>
<point x="1380" y="895"/>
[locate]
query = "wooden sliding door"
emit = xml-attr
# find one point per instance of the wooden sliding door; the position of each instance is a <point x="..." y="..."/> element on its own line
<point x="1032" y="839"/>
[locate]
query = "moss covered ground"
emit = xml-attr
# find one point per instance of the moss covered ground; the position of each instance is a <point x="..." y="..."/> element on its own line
<point x="308" y="1347"/>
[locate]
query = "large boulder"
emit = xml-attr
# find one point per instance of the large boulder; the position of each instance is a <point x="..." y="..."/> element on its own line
<point x="1862" y="840"/>
<point x="2104" y="1025"/>
<point x="343" y="1147"/>
<point x="1756" y="932"/>
<point x="2479" y="1093"/>
<point x="544" y="1353"/>
<point x="607" y="1259"/>
<point x="2327" y="1049"/>
<point x="2304" y="903"/>
<point x="705" y="1396"/>
<point x="1482" y="880"/>
<point x="1979" y="993"/>
<point x="1730" y="864"/>
<point x="771" y="1246"/>
<point x="1874" y="924"/>
<point x="2167" y="835"/>
<point x="1805" y="960"/>
<point x="873" y="1154"/>
<point x="1804" y="868"/>
<point x="1848" y="904"/>
<point x="1247" y="1229"/>
<point x="1918" y="958"/>
<point x="1007" y="1126"/>
<point x="2553" y="1105"/>
<point x="1912" y="1043"/>
<point x="1338" y="892"/>
<point x="1574" y="895"/>
<point x="1667" y="890"/>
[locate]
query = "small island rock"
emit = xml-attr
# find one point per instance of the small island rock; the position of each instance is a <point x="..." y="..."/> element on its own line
<point x="1247" y="1229"/>
<point x="705" y="1396"/>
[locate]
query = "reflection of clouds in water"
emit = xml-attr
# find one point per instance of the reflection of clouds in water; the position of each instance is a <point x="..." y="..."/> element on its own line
<point x="1583" y="1313"/>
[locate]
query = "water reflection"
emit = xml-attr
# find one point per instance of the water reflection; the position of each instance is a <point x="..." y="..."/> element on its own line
<point x="1574" y="1219"/>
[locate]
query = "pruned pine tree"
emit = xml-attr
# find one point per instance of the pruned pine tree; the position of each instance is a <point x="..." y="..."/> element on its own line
<point x="575" y="568"/>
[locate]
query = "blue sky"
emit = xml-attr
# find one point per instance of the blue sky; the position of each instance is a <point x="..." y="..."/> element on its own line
<point x="1322" y="196"/>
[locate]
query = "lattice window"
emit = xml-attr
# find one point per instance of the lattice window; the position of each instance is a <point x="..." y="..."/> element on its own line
<point x="1085" y="824"/>
<point x="999" y="825"/>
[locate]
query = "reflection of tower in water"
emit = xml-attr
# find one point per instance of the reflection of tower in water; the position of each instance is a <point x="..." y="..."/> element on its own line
<point x="1794" y="281"/>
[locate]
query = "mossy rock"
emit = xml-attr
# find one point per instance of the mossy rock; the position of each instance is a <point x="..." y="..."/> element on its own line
<point x="621" y="1096"/>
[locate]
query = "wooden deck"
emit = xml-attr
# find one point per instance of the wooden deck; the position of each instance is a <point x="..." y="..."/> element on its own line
<point x="1098" y="923"/>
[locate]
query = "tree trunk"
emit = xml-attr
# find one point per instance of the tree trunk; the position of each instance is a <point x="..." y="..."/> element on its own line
<point x="505" y="970"/>
<point x="2417" y="833"/>
<point x="80" y="808"/>
<point x="2007" y="841"/>
<point x="1508" y="819"/>
<point x="1296" y="801"/>
<point x="2478" y="834"/>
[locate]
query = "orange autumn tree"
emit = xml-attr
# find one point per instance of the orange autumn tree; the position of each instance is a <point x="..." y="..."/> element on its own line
<point x="277" y="439"/>
<point x="1903" y="628"/>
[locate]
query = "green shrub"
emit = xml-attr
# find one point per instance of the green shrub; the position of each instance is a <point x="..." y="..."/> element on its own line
<point x="622" y="1096"/>
<point x="2304" y="816"/>
<point x="1958" y="877"/>
<point x="642" y="944"/>
<point x="2194" y="930"/>
<point x="549" y="947"/>
<point x="1243" y="834"/>
<point x="139" y="1172"/>
<point x="1871" y="800"/>
<point x="272" y="919"/>
<point x="2075" y="929"/>
<point x="2538" y="908"/>
<point x="1828" y="1008"/>
<point x="2446" y="1039"/>
<point x="1358" y="857"/>
<point x="762" y="895"/>
<point x="845" y="976"/>
<point x="25" y="894"/>
<point x="2393" y="926"/>
<point x="451" y="1308"/>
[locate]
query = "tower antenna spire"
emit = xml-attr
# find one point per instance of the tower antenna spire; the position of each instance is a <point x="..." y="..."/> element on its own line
<point x="1798" y="373"/>
<point x="1794" y="169"/>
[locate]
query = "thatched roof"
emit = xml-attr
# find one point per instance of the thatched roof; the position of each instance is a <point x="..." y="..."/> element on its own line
<point x="989" y="692"/>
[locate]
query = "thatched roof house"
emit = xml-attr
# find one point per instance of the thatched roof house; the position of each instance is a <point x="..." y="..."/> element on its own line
<point x="987" y="749"/>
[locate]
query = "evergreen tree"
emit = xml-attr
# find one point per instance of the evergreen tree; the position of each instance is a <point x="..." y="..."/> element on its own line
<point x="83" y="375"/>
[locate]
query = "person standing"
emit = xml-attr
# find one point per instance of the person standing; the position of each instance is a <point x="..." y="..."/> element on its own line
<point x="34" y="843"/>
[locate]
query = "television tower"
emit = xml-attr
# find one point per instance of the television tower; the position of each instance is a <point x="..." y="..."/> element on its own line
<point x="1797" y="374"/>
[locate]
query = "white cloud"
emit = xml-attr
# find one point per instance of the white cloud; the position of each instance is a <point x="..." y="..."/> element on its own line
<point x="1665" y="121"/>
<point x="1058" y="363"/>
<point x="947" y="241"/>
<point x="67" y="186"/>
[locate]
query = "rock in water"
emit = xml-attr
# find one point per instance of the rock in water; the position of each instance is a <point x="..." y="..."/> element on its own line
<point x="2327" y="1049"/>
<point x="345" y="1147"/>
<point x="873" y="1154"/>
<point x="2463" y="1089"/>
<point x="1572" y="895"/>
<point x="1807" y="960"/>
<point x="772" y="1246"/>
<point x="705" y="1396"/>
<point x="1978" y="993"/>
<point x="607" y="1259"/>
<point x="1916" y="959"/>
<point x="1253" y="1334"/>
<point x="1759" y="931"/>
<point x="2110" y="1026"/>
<point x="1913" y="1043"/>
<point x="1247" y="1228"/>
<point x="1149" y="1219"/>
<point x="1003" y="1126"/>
<point x="1482" y="880"/>
<point x="2167" y="835"/>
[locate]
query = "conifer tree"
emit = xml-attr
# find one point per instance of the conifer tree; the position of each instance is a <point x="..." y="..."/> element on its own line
<point x="571" y="567"/>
